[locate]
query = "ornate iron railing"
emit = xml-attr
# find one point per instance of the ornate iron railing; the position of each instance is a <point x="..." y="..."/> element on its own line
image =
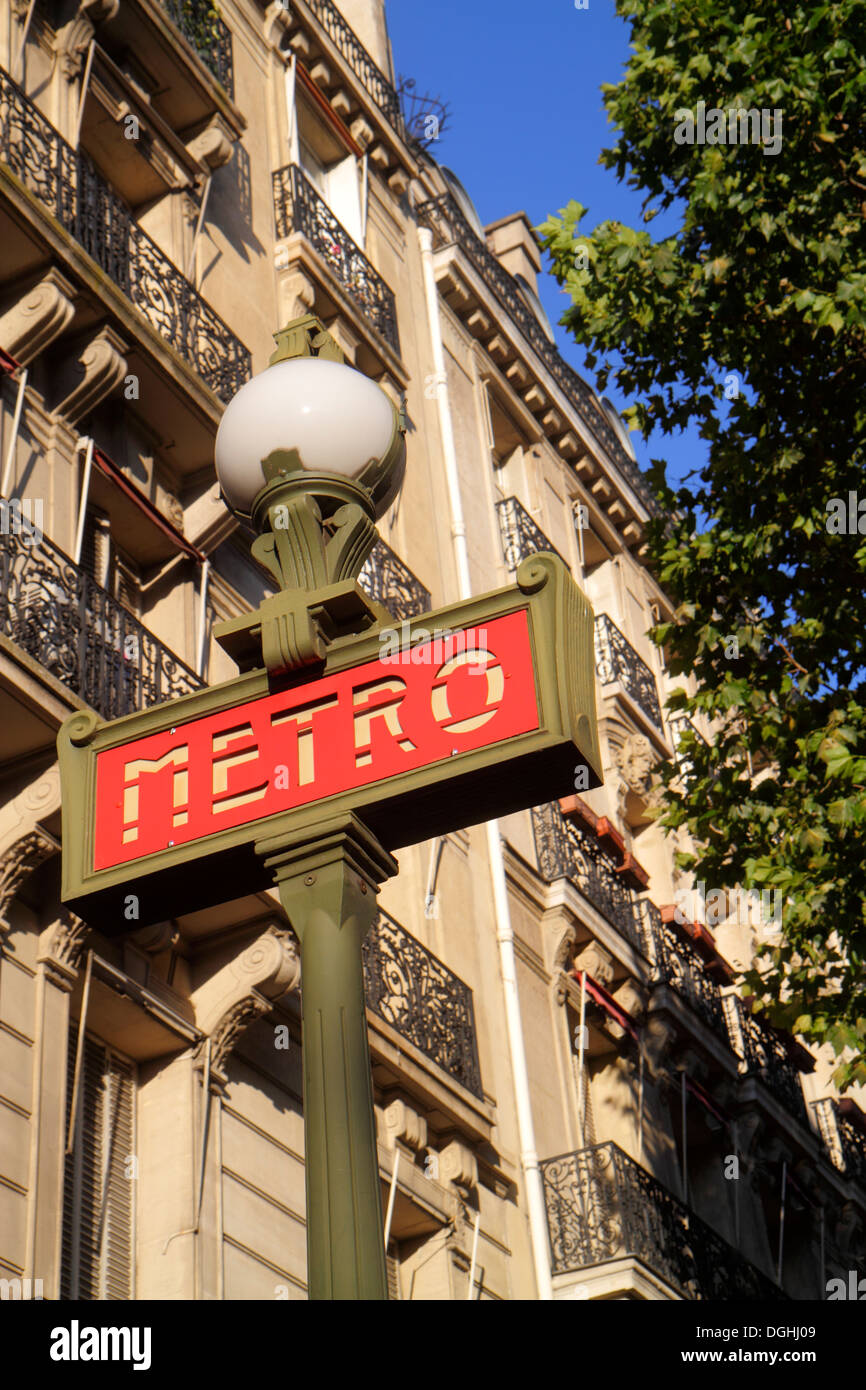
<point x="520" y="535"/>
<point x="298" y="207"/>
<point x="845" y="1143"/>
<point x="617" y="660"/>
<point x="208" y="34"/>
<point x="566" y="851"/>
<point x="370" y="74"/>
<point x="61" y="618"/>
<point x="67" y="182"/>
<point x="430" y="1006"/>
<point x="603" y="1206"/>
<point x="762" y="1053"/>
<point x="446" y="221"/>
<point x="387" y="580"/>
<point x="678" y="964"/>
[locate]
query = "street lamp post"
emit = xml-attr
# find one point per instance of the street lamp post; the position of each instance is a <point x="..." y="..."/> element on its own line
<point x="312" y="452"/>
<point x="327" y="752"/>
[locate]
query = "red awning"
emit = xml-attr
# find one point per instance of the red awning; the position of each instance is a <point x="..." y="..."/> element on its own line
<point x="608" y="1003"/>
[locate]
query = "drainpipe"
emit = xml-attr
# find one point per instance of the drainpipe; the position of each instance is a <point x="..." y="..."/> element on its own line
<point x="504" y="931"/>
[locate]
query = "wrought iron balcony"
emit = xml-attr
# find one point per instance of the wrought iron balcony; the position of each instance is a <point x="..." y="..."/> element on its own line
<point x="372" y="79"/>
<point x="68" y="184"/>
<point x="298" y="207"/>
<point x="431" y="1007"/>
<point x="602" y="1206"/>
<point x="61" y="618"/>
<point x="566" y="851"/>
<point x="845" y="1143"/>
<point x="520" y="535"/>
<point x="617" y="660"/>
<point x="210" y="36"/>
<point x="763" y="1053"/>
<point x="449" y="226"/>
<point x="387" y="580"/>
<point x="678" y="965"/>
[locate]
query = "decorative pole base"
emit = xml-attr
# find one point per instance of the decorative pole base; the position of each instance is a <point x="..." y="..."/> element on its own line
<point x="328" y="876"/>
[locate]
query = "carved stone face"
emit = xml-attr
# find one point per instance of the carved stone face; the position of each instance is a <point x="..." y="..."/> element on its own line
<point x="635" y="760"/>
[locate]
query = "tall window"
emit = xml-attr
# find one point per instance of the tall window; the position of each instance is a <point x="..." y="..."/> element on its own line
<point x="98" y="1187"/>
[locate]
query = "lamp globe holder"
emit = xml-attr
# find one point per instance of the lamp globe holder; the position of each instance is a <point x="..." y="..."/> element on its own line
<point x="310" y="453"/>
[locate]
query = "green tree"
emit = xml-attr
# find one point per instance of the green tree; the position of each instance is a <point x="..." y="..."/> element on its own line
<point x="762" y="285"/>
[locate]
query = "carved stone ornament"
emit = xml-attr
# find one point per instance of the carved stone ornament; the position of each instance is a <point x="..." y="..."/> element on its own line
<point x="245" y="989"/>
<point x="635" y="760"/>
<point x="18" y="863"/>
<point x="99" y="368"/>
<point x="404" y="1125"/>
<point x="38" y="317"/>
<point x="62" y="948"/>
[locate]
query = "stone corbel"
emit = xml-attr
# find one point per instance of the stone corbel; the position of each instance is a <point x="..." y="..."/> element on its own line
<point x="349" y="341"/>
<point x="459" y="1166"/>
<point x="38" y="317"/>
<point x="213" y="146"/>
<point x="657" y="1039"/>
<point x="73" y="39"/>
<point x="61" y="948"/>
<point x="297" y="291"/>
<point x="245" y="989"/>
<point x="278" y="23"/>
<point x="404" y="1127"/>
<point x="98" y="370"/>
<point x="597" y="962"/>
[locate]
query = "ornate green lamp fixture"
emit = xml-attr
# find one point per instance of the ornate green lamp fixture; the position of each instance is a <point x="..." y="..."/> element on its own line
<point x="311" y="453"/>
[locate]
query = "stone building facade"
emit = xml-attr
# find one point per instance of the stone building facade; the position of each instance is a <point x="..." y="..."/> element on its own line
<point x="175" y="184"/>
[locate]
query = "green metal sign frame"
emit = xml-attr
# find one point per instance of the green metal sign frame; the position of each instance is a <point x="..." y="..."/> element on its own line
<point x="405" y="809"/>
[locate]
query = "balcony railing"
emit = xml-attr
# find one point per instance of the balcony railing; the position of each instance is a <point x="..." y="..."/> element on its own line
<point x="298" y="207"/>
<point x="763" y="1053"/>
<point x="209" y="35"/>
<point x="428" y="1005"/>
<point x="602" y="1206"/>
<point x="617" y="660"/>
<point x="61" y="618"/>
<point x="845" y="1143"/>
<point x="68" y="184"/>
<point x="387" y="580"/>
<point x="371" y="76"/>
<point x="678" y="965"/>
<point x="446" y="221"/>
<point x="566" y="851"/>
<point x="520" y="535"/>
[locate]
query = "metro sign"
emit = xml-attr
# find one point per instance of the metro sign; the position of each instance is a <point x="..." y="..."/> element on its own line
<point x="493" y="717"/>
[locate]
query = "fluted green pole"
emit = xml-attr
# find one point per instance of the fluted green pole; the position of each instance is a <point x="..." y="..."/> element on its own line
<point x="328" y="877"/>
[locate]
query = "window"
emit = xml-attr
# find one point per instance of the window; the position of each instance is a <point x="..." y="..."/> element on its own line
<point x="106" y="564"/>
<point x="330" y="168"/>
<point x="98" y="1202"/>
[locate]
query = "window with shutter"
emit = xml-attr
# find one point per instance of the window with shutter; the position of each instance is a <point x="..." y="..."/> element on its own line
<point x="98" y="1197"/>
<point x="96" y="546"/>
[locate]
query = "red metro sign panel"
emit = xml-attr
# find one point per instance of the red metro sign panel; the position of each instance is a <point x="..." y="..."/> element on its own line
<point x="490" y="712"/>
<point x="387" y="717"/>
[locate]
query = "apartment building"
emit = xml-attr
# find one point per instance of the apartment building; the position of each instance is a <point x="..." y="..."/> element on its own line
<point x="177" y="181"/>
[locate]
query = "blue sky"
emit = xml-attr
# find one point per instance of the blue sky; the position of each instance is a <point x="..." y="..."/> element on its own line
<point x="527" y="124"/>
